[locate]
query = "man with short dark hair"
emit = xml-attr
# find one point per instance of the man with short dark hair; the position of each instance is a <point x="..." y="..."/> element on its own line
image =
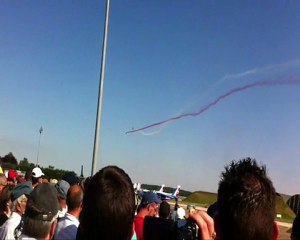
<point x="67" y="226"/>
<point x="164" y="210"/>
<point x="41" y="213"/>
<point x="108" y="206"/>
<point x="246" y="203"/>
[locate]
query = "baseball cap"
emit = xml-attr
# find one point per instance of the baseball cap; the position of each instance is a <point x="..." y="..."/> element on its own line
<point x="150" y="197"/>
<point x="42" y="203"/>
<point x="37" y="172"/>
<point x="12" y="174"/>
<point x="62" y="188"/>
<point x="20" y="189"/>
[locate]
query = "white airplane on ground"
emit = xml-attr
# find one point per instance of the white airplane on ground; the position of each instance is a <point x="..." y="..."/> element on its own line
<point x="167" y="196"/>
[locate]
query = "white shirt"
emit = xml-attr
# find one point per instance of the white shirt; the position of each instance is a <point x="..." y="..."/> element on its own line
<point x="66" y="228"/>
<point x="8" y="228"/>
<point x="25" y="237"/>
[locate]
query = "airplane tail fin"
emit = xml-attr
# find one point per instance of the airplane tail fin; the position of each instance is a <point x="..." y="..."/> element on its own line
<point x="176" y="192"/>
<point x="161" y="188"/>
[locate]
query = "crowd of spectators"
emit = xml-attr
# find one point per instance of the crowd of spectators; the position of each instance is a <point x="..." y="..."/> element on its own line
<point x="104" y="207"/>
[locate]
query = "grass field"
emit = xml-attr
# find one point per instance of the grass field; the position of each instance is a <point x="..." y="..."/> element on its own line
<point x="204" y="199"/>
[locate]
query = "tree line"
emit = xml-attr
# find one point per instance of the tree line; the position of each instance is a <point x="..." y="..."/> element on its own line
<point x="9" y="161"/>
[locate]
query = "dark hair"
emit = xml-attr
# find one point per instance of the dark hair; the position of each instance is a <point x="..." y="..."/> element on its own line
<point x="5" y="196"/>
<point x="36" y="228"/>
<point x="164" y="210"/>
<point x="28" y="175"/>
<point x="74" y="197"/>
<point x="246" y="202"/>
<point x="295" y="235"/>
<point x="108" y="206"/>
<point x="35" y="180"/>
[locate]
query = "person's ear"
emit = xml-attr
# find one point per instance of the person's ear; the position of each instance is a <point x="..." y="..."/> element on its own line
<point x="275" y="232"/>
<point x="18" y="207"/>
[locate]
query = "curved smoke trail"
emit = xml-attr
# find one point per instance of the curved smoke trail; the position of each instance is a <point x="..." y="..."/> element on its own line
<point x="285" y="81"/>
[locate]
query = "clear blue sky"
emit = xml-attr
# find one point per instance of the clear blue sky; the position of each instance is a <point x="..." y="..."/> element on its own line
<point x="164" y="58"/>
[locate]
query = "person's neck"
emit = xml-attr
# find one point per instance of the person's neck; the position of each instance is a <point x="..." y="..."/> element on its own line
<point x="19" y="213"/>
<point x="74" y="213"/>
<point x="143" y="213"/>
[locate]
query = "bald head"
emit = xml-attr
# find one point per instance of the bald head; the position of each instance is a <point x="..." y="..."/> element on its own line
<point x="74" y="197"/>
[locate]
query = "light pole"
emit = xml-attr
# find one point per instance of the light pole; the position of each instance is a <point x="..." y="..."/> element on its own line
<point x="99" y="106"/>
<point x="38" y="151"/>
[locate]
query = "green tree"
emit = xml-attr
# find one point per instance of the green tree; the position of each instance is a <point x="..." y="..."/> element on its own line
<point x="24" y="165"/>
<point x="9" y="161"/>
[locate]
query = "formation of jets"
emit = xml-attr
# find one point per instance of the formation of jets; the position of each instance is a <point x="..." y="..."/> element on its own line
<point x="163" y="195"/>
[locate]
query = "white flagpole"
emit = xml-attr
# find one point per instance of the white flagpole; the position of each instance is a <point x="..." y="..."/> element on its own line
<point x="100" y="93"/>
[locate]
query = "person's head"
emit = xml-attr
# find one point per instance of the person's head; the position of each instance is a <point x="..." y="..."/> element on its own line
<point x="5" y="199"/>
<point x="20" y="179"/>
<point x="180" y="214"/>
<point x="108" y="206"/>
<point x="74" y="198"/>
<point x="12" y="176"/>
<point x="295" y="234"/>
<point x="164" y="210"/>
<point x="28" y="175"/>
<point x="3" y="181"/>
<point x="149" y="204"/>
<point x="41" y="212"/>
<point x="246" y="202"/>
<point x="71" y="178"/>
<point x="36" y="176"/>
<point x="62" y="188"/>
<point x="19" y="197"/>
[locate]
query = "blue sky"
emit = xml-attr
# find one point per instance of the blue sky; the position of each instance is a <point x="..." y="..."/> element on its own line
<point x="164" y="58"/>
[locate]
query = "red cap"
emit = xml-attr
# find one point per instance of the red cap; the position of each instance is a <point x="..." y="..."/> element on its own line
<point x="12" y="174"/>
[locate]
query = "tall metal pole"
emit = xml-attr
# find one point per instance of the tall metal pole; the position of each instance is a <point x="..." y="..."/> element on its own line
<point x="100" y="93"/>
<point x="37" y="158"/>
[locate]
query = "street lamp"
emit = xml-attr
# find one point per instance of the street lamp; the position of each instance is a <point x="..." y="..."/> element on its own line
<point x="38" y="151"/>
